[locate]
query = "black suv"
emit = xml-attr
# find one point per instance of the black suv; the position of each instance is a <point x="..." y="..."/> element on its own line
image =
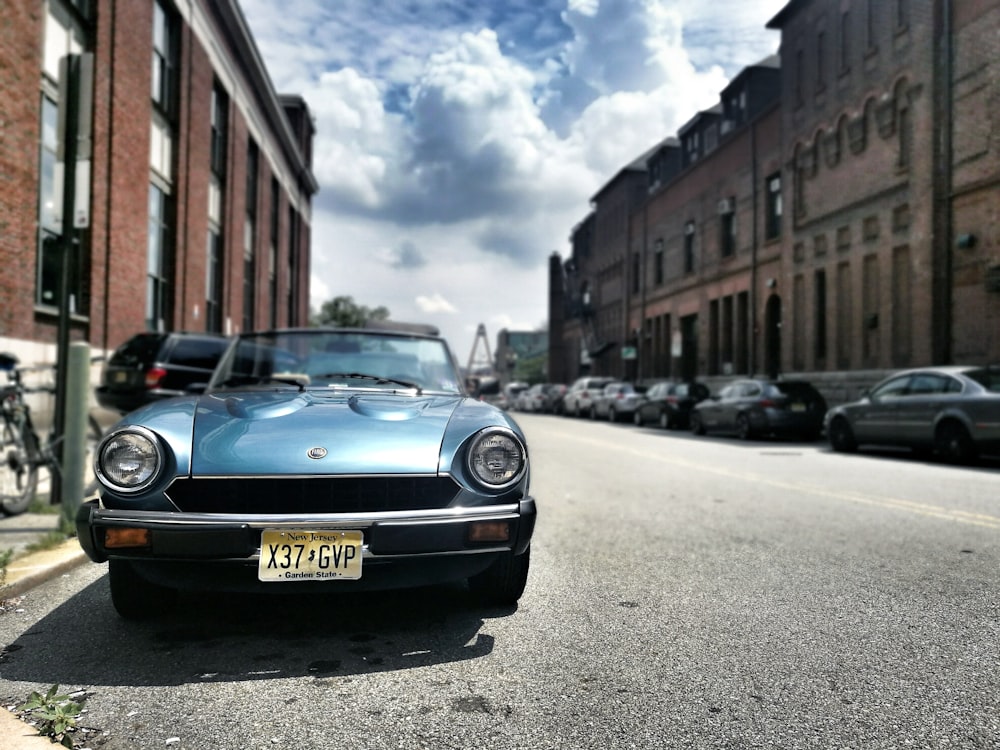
<point x="152" y="366"/>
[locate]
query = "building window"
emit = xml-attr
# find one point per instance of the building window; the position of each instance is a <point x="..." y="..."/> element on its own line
<point x="159" y="251"/>
<point x="292" y="287"/>
<point x="820" y="61"/>
<point x="870" y="26"/>
<point x="689" y="247"/>
<point x="158" y="260"/>
<point x="727" y="227"/>
<point x="902" y="15"/>
<point x="774" y="208"/>
<point x="845" y="41"/>
<point x="250" y="241"/>
<point x="66" y="33"/>
<point x="272" y="253"/>
<point x="164" y="74"/>
<point x="215" y="256"/>
<point x="658" y="273"/>
<point x="800" y="72"/>
<point x="819" y="317"/>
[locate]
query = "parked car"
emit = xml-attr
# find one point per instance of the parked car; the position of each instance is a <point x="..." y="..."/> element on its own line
<point x="669" y="404"/>
<point x="616" y="401"/>
<point x="951" y="411"/>
<point x="532" y="399"/>
<point x="316" y="460"/>
<point x="554" y="398"/>
<point x="751" y="408"/>
<point x="153" y="366"/>
<point x="580" y="395"/>
<point x="512" y="392"/>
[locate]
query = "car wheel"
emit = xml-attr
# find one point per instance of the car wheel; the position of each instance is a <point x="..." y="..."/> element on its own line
<point x="133" y="597"/>
<point x="612" y="415"/>
<point x="954" y="444"/>
<point x="593" y="412"/>
<point x="697" y="427"/>
<point x="637" y="418"/>
<point x="743" y="430"/>
<point x="503" y="582"/>
<point x="841" y="436"/>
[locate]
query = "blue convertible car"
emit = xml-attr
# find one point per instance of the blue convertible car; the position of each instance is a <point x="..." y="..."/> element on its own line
<point x="317" y="460"/>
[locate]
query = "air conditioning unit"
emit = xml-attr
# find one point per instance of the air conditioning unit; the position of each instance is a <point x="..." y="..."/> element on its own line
<point x="725" y="206"/>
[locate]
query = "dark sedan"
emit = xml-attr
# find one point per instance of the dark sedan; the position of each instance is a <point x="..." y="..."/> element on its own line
<point x="752" y="408"/>
<point x="951" y="411"/>
<point x="669" y="404"/>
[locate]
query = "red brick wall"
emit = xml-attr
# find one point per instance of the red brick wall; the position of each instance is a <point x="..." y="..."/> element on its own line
<point x="118" y="236"/>
<point x="20" y="68"/>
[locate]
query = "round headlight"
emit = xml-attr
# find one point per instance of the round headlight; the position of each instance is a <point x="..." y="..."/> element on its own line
<point x="129" y="460"/>
<point x="497" y="459"/>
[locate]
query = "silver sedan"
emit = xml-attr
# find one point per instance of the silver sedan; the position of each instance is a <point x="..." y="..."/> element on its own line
<point x="951" y="411"/>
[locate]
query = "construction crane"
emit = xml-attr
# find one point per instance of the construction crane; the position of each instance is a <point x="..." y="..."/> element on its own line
<point x="478" y="365"/>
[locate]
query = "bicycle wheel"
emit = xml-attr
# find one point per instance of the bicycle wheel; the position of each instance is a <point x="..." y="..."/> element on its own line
<point x="18" y="473"/>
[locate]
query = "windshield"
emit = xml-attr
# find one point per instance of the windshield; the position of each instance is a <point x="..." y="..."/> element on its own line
<point x="329" y="359"/>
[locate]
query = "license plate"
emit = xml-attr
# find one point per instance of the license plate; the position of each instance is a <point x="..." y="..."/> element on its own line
<point x="798" y="407"/>
<point x="304" y="555"/>
<point x="121" y="376"/>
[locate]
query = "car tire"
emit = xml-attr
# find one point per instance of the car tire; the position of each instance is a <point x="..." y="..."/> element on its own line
<point x="503" y="582"/>
<point x="743" y="429"/>
<point x="697" y="426"/>
<point x="637" y="418"/>
<point x="841" y="436"/>
<point x="612" y="415"/>
<point x="133" y="597"/>
<point x="593" y="412"/>
<point x="954" y="444"/>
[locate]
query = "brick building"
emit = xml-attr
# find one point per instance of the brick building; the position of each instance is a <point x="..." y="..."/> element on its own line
<point x="198" y="208"/>
<point x="834" y="217"/>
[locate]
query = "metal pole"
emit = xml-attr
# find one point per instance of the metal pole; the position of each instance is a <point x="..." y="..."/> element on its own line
<point x="75" y="435"/>
<point x="68" y="113"/>
<point x="75" y="99"/>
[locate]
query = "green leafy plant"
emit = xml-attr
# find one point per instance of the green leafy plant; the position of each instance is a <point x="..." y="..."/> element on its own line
<point x="56" y="715"/>
<point x="5" y="557"/>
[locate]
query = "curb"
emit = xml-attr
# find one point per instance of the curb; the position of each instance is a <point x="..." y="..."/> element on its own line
<point x="24" y="573"/>
<point x="17" y="735"/>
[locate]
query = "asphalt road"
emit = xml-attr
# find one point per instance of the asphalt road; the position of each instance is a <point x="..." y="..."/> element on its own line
<point x="685" y="593"/>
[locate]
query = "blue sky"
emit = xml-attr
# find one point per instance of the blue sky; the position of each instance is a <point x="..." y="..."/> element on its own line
<point x="459" y="141"/>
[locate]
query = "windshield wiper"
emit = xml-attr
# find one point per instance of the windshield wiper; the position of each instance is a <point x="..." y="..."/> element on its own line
<point x="245" y="380"/>
<point x="378" y="379"/>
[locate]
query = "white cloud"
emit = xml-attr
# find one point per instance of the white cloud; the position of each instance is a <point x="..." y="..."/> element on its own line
<point x="435" y="304"/>
<point x="458" y="143"/>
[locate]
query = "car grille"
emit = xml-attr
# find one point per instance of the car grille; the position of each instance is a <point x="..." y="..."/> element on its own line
<point x="280" y="495"/>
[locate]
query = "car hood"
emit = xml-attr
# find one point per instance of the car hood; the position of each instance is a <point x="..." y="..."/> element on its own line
<point x="319" y="433"/>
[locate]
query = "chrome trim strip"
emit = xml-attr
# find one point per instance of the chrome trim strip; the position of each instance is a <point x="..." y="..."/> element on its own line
<point x="309" y="521"/>
<point x="420" y="475"/>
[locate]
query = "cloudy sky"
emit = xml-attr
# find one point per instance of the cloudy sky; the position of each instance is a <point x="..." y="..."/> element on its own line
<point x="460" y="141"/>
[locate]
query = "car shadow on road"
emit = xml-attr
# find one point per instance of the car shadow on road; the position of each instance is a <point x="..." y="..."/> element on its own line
<point x="227" y="638"/>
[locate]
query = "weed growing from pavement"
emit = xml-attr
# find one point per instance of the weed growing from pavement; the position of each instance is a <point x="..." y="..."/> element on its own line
<point x="55" y="715"/>
<point x="5" y="557"/>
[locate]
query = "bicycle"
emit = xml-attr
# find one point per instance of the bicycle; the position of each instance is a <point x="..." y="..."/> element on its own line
<point x="22" y="452"/>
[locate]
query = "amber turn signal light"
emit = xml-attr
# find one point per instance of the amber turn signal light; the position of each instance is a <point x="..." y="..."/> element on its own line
<point x="117" y="538"/>
<point x="489" y="531"/>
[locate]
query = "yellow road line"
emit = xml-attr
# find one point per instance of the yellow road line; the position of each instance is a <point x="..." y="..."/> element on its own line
<point x="892" y="503"/>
